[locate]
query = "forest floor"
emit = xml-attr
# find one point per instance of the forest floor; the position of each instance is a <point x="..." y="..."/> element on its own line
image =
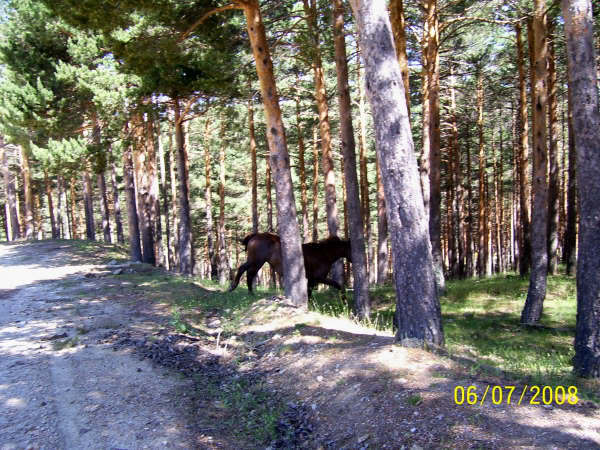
<point x="99" y="353"/>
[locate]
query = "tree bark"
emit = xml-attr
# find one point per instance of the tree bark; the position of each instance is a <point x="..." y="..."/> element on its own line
<point x="164" y="198"/>
<point x="142" y="183"/>
<point x="315" y="190"/>
<point x="553" y="182"/>
<point x="153" y="190"/>
<point x="100" y="179"/>
<point x="12" y="215"/>
<point x="482" y="253"/>
<point x="28" y="192"/>
<point x="186" y="251"/>
<point x="586" y="120"/>
<point x="53" y="224"/>
<point x="570" y="240"/>
<point x="418" y="316"/>
<point x="222" y="242"/>
<point x="302" y="166"/>
<point x="532" y="311"/>
<point x="382" y="229"/>
<point x="74" y="214"/>
<point x="359" y="262"/>
<point x="523" y="131"/>
<point x="213" y="270"/>
<point x="254" y="168"/>
<point x="135" y="249"/>
<point x="90" y="229"/>
<point x="291" y="245"/>
<point x="116" y="202"/>
<point x="364" y="180"/>
<point x="397" y="20"/>
<point x="63" y="217"/>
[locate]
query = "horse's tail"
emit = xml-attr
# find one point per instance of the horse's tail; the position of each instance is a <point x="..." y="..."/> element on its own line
<point x="247" y="239"/>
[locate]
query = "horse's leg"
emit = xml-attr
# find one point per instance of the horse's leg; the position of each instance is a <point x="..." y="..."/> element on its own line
<point x="310" y="287"/>
<point x="328" y="282"/>
<point x="240" y="272"/>
<point x="252" y="271"/>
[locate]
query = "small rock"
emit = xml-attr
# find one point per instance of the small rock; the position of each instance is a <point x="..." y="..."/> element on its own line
<point x="413" y="430"/>
<point x="363" y="438"/>
<point x="319" y="378"/>
<point x="112" y="263"/>
<point x="117" y="272"/>
<point x="416" y="447"/>
<point x="313" y="406"/>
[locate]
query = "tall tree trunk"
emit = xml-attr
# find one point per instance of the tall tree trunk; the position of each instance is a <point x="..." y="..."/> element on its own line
<point x="174" y="207"/>
<point x="315" y="190"/>
<point x="153" y="190"/>
<point x="222" y="243"/>
<point x="586" y="120"/>
<point x="186" y="251"/>
<point x="302" y="164"/>
<point x="142" y="183"/>
<point x="482" y="253"/>
<point x="532" y="312"/>
<point x="135" y="249"/>
<point x="470" y="220"/>
<point x="116" y="202"/>
<point x="398" y="24"/>
<point x="268" y="188"/>
<point x="325" y="131"/>
<point x="382" y="229"/>
<point x="523" y="131"/>
<point x="435" y="194"/>
<point x="254" y="168"/>
<point x="63" y="218"/>
<point x="359" y="261"/>
<point x="74" y="214"/>
<point x="90" y="228"/>
<point x="28" y="191"/>
<point x="459" y="197"/>
<point x="212" y="257"/>
<point x="364" y="180"/>
<point x="101" y="167"/>
<point x="553" y="182"/>
<point x="104" y="207"/>
<point x="53" y="224"/>
<point x="418" y="315"/>
<point x="570" y="242"/>
<point x="12" y="215"/>
<point x="164" y="198"/>
<point x="291" y="244"/>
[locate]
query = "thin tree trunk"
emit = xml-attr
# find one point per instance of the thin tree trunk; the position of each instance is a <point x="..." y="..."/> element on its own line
<point x="63" y="217"/>
<point x="186" y="251"/>
<point x="302" y="164"/>
<point x="222" y="243"/>
<point x="359" y="261"/>
<point x="254" y="168"/>
<point x="523" y="131"/>
<point x="173" y="192"/>
<point x="12" y="215"/>
<point x="135" y="249"/>
<point x="212" y="257"/>
<point x="382" y="230"/>
<point x="570" y="240"/>
<point x="418" y="315"/>
<point x="532" y="311"/>
<point x="459" y="197"/>
<point x="28" y="192"/>
<point x="116" y="202"/>
<point x="325" y="131"/>
<point x="153" y="190"/>
<point x="364" y="181"/>
<point x="398" y="28"/>
<point x="74" y="215"/>
<point x="315" y="191"/>
<point x="53" y="225"/>
<point x="90" y="229"/>
<point x="586" y="121"/>
<point x="470" y="219"/>
<point x="164" y="198"/>
<point x="553" y="182"/>
<point x="291" y="245"/>
<point x="142" y="183"/>
<point x="96" y="136"/>
<point x="482" y="201"/>
<point x="268" y="188"/>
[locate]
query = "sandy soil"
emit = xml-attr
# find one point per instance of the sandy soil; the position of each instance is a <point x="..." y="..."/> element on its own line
<point x="85" y="395"/>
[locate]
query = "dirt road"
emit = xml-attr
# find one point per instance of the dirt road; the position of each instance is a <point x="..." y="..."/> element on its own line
<point x="59" y="387"/>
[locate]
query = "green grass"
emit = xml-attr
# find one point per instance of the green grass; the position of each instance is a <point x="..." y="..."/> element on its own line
<point x="481" y="320"/>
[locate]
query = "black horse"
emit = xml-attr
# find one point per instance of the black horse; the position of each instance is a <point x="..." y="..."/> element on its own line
<point x="318" y="258"/>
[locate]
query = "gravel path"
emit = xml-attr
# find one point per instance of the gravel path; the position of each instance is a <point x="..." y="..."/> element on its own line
<point x="59" y="387"/>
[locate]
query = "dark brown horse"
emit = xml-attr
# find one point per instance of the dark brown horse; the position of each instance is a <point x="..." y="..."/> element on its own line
<point x="318" y="258"/>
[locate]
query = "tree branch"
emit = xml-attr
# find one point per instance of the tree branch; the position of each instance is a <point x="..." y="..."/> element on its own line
<point x="235" y="5"/>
